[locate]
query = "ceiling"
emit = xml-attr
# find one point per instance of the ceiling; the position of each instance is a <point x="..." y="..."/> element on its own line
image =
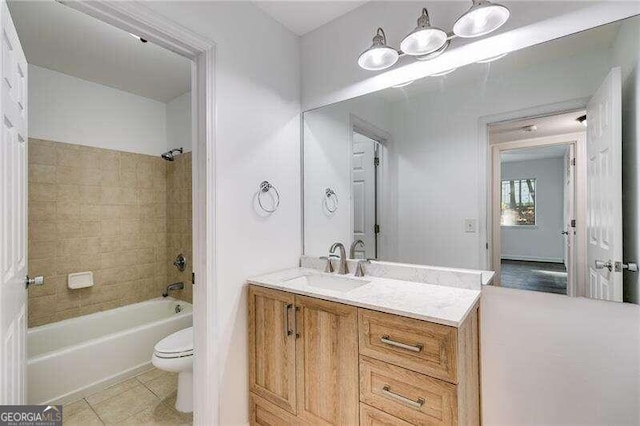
<point x="560" y="124"/>
<point x="587" y="41"/>
<point x="528" y="154"/>
<point x="62" y="39"/>
<point x="303" y="16"/>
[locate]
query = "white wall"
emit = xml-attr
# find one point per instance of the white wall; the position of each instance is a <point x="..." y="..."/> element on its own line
<point x="179" y="122"/>
<point x="556" y="360"/>
<point x="67" y="109"/>
<point x="546" y="359"/>
<point x="327" y="163"/>
<point x="257" y="137"/>
<point x="627" y="53"/>
<point x="544" y="241"/>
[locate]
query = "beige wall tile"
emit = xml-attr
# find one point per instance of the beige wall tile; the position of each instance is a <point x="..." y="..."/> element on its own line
<point x="107" y="212"/>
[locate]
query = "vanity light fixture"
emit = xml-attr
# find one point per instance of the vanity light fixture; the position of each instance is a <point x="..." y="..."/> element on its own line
<point x="582" y="120"/>
<point x="379" y="56"/>
<point x="426" y="42"/>
<point x="482" y="18"/>
<point x="424" y="39"/>
<point x="493" y="58"/>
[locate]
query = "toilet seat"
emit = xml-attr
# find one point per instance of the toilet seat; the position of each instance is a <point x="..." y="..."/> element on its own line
<point x="176" y="345"/>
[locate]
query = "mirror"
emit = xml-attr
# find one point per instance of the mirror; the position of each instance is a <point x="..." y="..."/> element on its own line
<point x="513" y="165"/>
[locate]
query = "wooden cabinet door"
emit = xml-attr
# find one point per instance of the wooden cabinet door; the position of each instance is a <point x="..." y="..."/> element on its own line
<point x="263" y="413"/>
<point x="272" y="353"/>
<point x="327" y="362"/>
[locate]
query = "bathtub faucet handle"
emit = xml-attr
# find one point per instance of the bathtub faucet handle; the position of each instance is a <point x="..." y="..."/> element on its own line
<point x="39" y="280"/>
<point x="180" y="262"/>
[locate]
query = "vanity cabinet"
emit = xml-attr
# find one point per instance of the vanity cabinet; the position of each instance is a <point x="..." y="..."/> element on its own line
<point x="314" y="362"/>
<point x="303" y="359"/>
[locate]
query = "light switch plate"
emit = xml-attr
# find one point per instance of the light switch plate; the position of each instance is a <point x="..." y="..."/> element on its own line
<point x="470" y="226"/>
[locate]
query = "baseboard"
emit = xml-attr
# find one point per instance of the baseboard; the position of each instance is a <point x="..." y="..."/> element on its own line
<point x="99" y="385"/>
<point x="532" y="258"/>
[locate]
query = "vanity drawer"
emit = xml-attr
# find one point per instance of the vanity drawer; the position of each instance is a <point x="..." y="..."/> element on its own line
<point x="420" y="346"/>
<point x="410" y="396"/>
<point x="370" y="416"/>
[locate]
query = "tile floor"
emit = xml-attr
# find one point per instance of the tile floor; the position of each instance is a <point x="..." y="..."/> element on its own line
<point x="147" y="399"/>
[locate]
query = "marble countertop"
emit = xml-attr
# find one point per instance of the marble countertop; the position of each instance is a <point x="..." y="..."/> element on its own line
<point x="428" y="302"/>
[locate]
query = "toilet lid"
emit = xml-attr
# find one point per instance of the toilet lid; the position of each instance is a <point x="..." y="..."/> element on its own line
<point x="178" y="342"/>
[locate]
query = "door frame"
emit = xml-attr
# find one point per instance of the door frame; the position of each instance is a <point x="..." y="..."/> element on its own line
<point x="371" y="131"/>
<point x="138" y="19"/>
<point x="578" y="140"/>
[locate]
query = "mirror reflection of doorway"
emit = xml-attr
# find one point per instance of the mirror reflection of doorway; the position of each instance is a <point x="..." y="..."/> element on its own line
<point x="365" y="176"/>
<point x="535" y="202"/>
<point x="536" y="209"/>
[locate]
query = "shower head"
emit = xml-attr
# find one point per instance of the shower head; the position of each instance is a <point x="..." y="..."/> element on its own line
<point x="170" y="155"/>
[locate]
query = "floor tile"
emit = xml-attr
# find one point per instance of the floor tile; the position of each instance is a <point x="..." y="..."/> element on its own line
<point x="159" y="414"/>
<point x="73" y="407"/>
<point x="83" y="417"/>
<point x="150" y="375"/>
<point x="111" y="391"/>
<point x="164" y="385"/>
<point x="126" y="404"/>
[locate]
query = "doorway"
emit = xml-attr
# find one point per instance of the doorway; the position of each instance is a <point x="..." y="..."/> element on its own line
<point x="148" y="26"/>
<point x="536" y="201"/>
<point x="364" y="186"/>
<point x="368" y="167"/>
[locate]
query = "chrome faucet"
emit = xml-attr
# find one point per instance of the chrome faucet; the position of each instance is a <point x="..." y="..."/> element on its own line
<point x="352" y="249"/>
<point x="174" y="286"/>
<point x="342" y="269"/>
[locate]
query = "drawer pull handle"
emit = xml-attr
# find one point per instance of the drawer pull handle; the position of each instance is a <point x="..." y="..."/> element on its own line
<point x="414" y="348"/>
<point x="386" y="390"/>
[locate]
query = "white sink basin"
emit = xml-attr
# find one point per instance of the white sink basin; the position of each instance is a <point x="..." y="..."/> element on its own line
<point x="328" y="282"/>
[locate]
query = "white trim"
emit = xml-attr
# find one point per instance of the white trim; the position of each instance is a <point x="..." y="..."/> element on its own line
<point x="136" y="18"/>
<point x="549" y="29"/>
<point x="532" y="258"/>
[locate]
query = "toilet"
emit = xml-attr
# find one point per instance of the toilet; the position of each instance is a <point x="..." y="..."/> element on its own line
<point x="174" y="353"/>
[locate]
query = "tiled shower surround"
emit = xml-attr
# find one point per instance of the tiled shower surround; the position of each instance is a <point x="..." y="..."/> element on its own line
<point x="108" y="212"/>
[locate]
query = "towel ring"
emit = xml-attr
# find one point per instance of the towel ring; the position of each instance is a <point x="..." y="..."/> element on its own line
<point x="330" y="194"/>
<point x="264" y="188"/>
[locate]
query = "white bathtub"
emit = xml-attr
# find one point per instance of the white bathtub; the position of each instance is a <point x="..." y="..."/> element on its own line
<point x="70" y="359"/>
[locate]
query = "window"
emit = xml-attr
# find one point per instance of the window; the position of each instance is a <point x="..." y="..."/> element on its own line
<point x="518" y="202"/>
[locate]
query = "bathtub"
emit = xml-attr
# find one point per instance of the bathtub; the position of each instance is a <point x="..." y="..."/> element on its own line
<point x="70" y="359"/>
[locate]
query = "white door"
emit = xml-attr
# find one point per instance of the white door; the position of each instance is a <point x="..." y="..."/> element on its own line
<point x="604" y="190"/>
<point x="13" y="220"/>
<point x="569" y="215"/>
<point x="364" y="195"/>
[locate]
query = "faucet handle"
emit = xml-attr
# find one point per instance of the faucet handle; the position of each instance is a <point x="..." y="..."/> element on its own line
<point x="360" y="267"/>
<point x="328" y="267"/>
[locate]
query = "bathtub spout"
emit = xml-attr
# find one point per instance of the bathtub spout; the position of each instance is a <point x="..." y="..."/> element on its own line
<point x="174" y="286"/>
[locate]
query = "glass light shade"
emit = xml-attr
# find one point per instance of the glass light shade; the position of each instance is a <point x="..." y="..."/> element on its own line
<point x="482" y="18"/>
<point x="378" y="58"/>
<point x="423" y="41"/>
